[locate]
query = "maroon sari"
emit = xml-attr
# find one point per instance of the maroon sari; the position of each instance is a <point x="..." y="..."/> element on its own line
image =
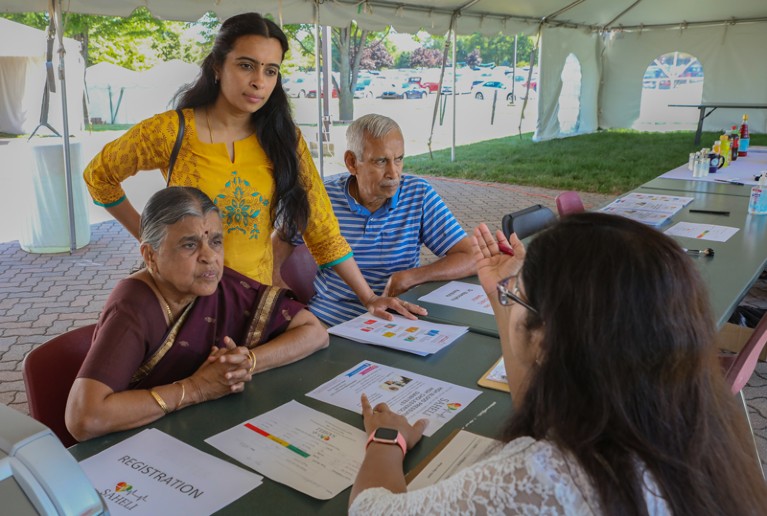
<point x="133" y="347"/>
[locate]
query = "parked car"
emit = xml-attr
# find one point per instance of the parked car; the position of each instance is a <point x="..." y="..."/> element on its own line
<point x="370" y="87"/>
<point x="406" y="90"/>
<point x="488" y="89"/>
<point x="295" y="86"/>
<point x="312" y="94"/>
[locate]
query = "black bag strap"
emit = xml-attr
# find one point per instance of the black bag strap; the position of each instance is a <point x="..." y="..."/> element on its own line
<point x="177" y="145"/>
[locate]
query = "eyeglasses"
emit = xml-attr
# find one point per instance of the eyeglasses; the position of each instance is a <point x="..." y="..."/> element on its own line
<point x="506" y="295"/>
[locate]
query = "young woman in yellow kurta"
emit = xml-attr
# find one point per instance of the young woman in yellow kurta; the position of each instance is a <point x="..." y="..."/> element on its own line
<point x="241" y="148"/>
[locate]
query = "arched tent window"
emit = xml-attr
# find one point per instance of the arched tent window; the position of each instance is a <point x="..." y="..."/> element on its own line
<point x="570" y="96"/>
<point x="672" y="78"/>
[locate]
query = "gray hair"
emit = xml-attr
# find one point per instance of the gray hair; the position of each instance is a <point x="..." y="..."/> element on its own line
<point x="168" y="206"/>
<point x="376" y="126"/>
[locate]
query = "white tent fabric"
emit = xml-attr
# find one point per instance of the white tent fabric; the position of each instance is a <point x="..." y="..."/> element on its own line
<point x="614" y="41"/>
<point x="121" y="96"/>
<point x="23" y="75"/>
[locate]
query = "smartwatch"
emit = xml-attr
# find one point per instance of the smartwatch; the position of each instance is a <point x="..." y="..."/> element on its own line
<point x="388" y="436"/>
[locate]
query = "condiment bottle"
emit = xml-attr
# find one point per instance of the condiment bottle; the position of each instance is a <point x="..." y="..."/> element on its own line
<point x="734" y="139"/>
<point x="724" y="149"/>
<point x="745" y="137"/>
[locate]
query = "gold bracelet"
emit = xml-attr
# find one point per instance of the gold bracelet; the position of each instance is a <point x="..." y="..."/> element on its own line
<point x="183" y="393"/>
<point x="253" y="359"/>
<point x="159" y="401"/>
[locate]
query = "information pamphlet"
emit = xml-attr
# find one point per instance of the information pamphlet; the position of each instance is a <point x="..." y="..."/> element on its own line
<point x="412" y="395"/>
<point x="459" y="294"/>
<point x="651" y="209"/>
<point x="419" y="337"/>
<point x="299" y="447"/>
<point x="702" y="231"/>
<point x="460" y="450"/>
<point x="154" y="473"/>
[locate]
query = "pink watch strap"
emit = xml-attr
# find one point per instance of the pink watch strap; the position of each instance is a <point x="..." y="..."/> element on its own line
<point x="400" y="442"/>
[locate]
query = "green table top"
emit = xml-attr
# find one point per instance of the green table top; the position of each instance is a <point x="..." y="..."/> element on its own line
<point x="462" y="363"/>
<point x="738" y="262"/>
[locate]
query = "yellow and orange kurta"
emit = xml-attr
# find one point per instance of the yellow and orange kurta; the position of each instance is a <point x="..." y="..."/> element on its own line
<point x="242" y="189"/>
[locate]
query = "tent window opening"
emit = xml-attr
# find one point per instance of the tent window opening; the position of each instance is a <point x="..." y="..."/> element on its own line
<point x="570" y="96"/>
<point x="672" y="78"/>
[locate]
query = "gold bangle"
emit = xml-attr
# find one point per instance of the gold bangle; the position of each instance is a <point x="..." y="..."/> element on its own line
<point x="183" y="393"/>
<point x="159" y="400"/>
<point x="252" y="359"/>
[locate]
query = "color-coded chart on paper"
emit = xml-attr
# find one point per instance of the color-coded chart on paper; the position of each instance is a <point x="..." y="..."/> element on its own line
<point x="276" y="439"/>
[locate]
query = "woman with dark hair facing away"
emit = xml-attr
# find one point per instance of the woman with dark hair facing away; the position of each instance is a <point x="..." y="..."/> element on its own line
<point x="619" y="404"/>
<point x="185" y="329"/>
<point x="240" y="147"/>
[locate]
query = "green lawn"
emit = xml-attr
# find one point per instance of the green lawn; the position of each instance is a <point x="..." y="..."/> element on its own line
<point x="609" y="162"/>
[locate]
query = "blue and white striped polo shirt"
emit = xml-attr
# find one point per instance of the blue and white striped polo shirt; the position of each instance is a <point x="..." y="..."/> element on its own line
<point x="384" y="242"/>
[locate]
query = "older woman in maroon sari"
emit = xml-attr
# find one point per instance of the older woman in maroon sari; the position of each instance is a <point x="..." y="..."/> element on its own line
<point x="185" y="329"/>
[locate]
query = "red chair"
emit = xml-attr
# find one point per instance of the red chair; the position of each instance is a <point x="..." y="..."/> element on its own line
<point x="739" y="368"/>
<point x="299" y="271"/>
<point x="49" y="371"/>
<point x="569" y="202"/>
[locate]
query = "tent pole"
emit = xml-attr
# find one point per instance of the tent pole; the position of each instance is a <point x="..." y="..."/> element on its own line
<point x="317" y="51"/>
<point x="455" y="95"/>
<point x="55" y="9"/>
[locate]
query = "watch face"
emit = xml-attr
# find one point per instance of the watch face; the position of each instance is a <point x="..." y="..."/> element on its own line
<point x="386" y="434"/>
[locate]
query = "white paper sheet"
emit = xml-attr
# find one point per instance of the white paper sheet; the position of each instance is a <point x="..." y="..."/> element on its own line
<point x="459" y="294"/>
<point x="650" y="209"/>
<point x="702" y="231"/>
<point x="299" y="447"/>
<point x="412" y="395"/>
<point x="154" y="473"/>
<point x="418" y="337"/>
<point x="498" y="374"/>
<point x="463" y="450"/>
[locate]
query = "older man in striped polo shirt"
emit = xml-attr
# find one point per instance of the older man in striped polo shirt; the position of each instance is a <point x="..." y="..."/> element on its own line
<point x="386" y="217"/>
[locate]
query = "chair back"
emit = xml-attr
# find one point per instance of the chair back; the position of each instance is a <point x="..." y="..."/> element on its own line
<point x="742" y="367"/>
<point x="299" y="271"/>
<point x="528" y="221"/>
<point x="49" y="372"/>
<point x="569" y="202"/>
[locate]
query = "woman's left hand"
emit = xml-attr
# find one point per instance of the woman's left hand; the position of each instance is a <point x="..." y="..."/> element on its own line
<point x="382" y="417"/>
<point x="493" y="265"/>
<point x="377" y="305"/>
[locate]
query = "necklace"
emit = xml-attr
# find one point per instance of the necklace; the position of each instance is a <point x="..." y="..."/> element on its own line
<point x="207" y="120"/>
<point x="163" y="302"/>
<point x="167" y="308"/>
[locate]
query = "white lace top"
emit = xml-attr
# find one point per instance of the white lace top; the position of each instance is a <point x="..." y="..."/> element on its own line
<point x="524" y="477"/>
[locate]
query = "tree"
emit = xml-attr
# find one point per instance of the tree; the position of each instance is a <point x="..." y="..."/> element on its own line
<point x="348" y="45"/>
<point x="135" y="42"/>
<point x="426" y="58"/>
<point x="474" y="59"/>
<point x="403" y="60"/>
<point x="375" y="57"/>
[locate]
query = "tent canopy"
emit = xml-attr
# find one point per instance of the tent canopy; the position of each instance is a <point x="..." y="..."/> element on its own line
<point x="487" y="16"/>
<point x="614" y="41"/>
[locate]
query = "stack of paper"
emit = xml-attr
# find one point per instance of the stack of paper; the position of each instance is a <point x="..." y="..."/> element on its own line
<point x="651" y="209"/>
<point x="418" y="337"/>
<point x="460" y="294"/>
<point x="409" y="394"/>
